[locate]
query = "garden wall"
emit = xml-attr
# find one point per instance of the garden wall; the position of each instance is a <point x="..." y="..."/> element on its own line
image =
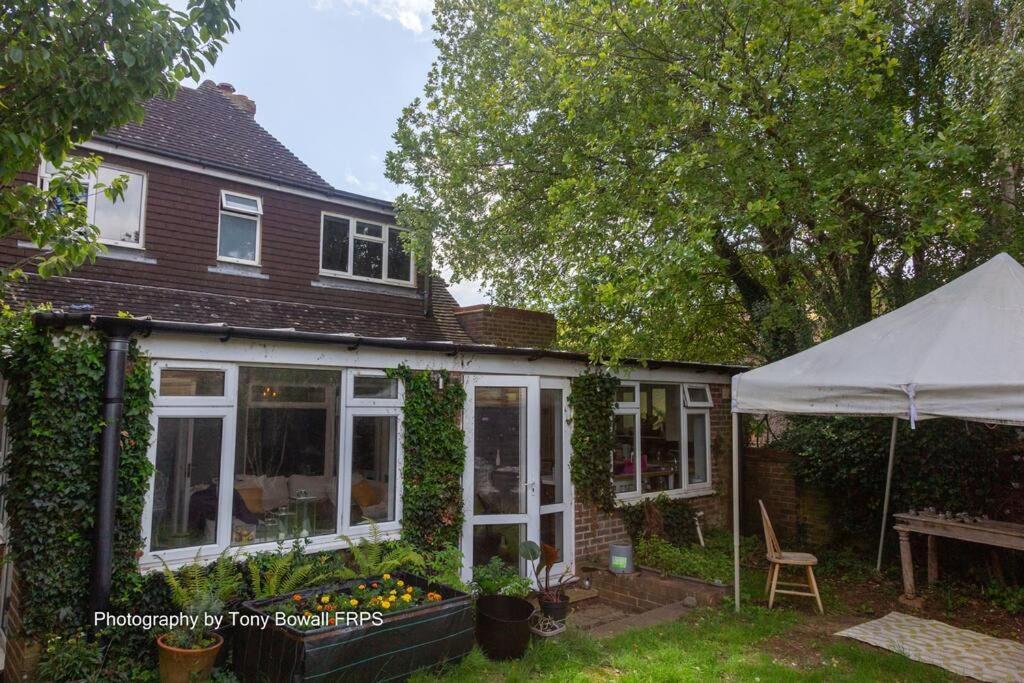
<point x="798" y="513"/>
<point x="596" y="530"/>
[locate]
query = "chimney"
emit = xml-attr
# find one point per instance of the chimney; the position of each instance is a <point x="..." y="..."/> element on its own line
<point x="509" y="327"/>
<point x="240" y="101"/>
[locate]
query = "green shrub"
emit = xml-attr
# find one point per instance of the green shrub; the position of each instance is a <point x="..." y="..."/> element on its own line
<point x="498" y="578"/>
<point x="947" y="464"/>
<point x="444" y="567"/>
<point x="1010" y="598"/>
<point x="690" y="560"/>
<point x="669" y="518"/>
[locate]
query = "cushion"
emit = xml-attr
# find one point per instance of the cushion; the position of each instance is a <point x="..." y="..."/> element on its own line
<point x="275" y="492"/>
<point x="365" y="493"/>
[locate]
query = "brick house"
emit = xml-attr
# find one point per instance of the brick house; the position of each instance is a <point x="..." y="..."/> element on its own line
<point x="271" y="303"/>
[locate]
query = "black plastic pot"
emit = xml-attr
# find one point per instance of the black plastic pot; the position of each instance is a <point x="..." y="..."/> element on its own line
<point x="503" y="626"/>
<point x="557" y="610"/>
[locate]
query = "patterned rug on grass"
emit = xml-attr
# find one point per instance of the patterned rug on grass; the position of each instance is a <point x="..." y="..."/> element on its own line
<point x="955" y="649"/>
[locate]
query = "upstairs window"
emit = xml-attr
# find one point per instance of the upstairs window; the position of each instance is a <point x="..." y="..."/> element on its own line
<point x="238" y="238"/>
<point x="363" y="250"/>
<point x="120" y="222"/>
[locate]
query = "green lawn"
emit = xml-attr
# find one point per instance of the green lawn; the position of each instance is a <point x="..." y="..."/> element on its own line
<point x="710" y="644"/>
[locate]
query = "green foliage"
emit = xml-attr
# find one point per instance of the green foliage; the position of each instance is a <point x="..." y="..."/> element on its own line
<point x="1010" y="598"/>
<point x="54" y="421"/>
<point x="592" y="401"/>
<point x="669" y="518"/>
<point x="373" y="556"/>
<point x="284" y="572"/>
<point x="689" y="560"/>
<point x="444" y="567"/>
<point x="706" y="180"/>
<point x="946" y="464"/>
<point x="434" y="452"/>
<point x="72" y="70"/>
<point x="498" y="578"/>
<point x="191" y="583"/>
<point x="75" y="658"/>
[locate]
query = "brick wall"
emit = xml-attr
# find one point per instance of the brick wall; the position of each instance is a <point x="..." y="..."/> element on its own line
<point x="22" y="654"/>
<point x="501" y="326"/>
<point x="798" y="514"/>
<point x="596" y="530"/>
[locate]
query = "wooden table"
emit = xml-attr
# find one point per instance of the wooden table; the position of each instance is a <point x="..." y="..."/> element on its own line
<point x="986" y="532"/>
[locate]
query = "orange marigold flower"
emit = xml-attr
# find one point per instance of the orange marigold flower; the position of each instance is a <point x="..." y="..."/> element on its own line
<point x="297" y="598"/>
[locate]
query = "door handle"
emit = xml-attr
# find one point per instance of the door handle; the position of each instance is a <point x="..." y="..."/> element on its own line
<point x="531" y="485"/>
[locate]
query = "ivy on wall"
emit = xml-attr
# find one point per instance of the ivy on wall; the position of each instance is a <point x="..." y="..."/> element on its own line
<point x="434" y="448"/>
<point x="55" y="387"/>
<point x="669" y="518"/>
<point x="593" y="437"/>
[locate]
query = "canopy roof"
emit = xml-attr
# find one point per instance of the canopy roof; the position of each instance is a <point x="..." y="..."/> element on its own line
<point x="956" y="352"/>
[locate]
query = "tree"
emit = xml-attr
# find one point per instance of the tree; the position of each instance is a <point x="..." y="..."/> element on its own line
<point x="715" y="180"/>
<point x="70" y="69"/>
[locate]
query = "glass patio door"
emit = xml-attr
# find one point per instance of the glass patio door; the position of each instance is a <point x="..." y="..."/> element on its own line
<point x="500" y="484"/>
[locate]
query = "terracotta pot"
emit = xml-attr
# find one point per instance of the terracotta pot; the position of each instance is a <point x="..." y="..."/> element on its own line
<point x="178" y="665"/>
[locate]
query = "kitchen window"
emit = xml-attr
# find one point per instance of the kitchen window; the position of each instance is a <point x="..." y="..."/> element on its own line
<point x="238" y="237"/>
<point x="662" y="438"/>
<point x="363" y="250"/>
<point x="121" y="222"/>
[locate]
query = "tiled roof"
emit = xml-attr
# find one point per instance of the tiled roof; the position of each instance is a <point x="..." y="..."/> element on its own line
<point x="202" y="125"/>
<point x="78" y="295"/>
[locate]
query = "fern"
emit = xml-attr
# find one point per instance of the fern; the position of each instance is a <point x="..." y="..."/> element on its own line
<point x="373" y="555"/>
<point x="288" y="572"/>
<point x="195" y="582"/>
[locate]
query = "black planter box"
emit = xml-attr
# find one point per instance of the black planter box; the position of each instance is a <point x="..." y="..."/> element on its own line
<point x="408" y="641"/>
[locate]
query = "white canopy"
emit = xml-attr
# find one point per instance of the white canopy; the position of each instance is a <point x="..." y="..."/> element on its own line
<point x="956" y="352"/>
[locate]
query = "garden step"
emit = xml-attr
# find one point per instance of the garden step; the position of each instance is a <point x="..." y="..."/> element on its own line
<point x="661" y="615"/>
<point x="577" y="595"/>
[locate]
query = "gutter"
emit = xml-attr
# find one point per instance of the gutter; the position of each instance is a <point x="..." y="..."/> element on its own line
<point x="59" y="320"/>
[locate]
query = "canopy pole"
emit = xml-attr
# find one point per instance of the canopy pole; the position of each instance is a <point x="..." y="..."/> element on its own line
<point x="736" y="508"/>
<point x="888" y="488"/>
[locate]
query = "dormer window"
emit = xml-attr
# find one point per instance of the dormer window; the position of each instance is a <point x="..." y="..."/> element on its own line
<point x="363" y="250"/>
<point x="238" y="238"/>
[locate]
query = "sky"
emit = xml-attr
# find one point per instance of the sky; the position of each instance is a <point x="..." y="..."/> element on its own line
<point x="330" y="79"/>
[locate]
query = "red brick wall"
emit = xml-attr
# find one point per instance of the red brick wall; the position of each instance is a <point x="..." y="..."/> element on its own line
<point x="798" y="514"/>
<point x="596" y="530"/>
<point x="502" y="326"/>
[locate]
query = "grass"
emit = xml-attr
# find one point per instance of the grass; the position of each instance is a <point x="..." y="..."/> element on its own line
<point x="710" y="644"/>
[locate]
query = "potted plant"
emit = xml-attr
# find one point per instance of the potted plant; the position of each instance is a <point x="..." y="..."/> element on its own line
<point x="188" y="653"/>
<point x="553" y="600"/>
<point x="502" y="610"/>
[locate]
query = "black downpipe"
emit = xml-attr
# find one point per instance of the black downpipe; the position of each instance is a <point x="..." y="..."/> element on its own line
<point x="118" y="337"/>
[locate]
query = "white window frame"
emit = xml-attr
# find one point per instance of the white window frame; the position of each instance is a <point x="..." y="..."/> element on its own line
<point x="697" y="404"/>
<point x="226" y="408"/>
<point x="349" y="526"/>
<point x="353" y="401"/>
<point x="352" y="237"/>
<point x="706" y="412"/>
<point x="90" y="200"/>
<point x="225" y="488"/>
<point x="568" y="505"/>
<point x="241" y="212"/>
<point x="230" y="380"/>
<point x="685" y="489"/>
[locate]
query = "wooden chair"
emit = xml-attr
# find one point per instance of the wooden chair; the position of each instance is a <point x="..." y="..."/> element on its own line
<point x="777" y="559"/>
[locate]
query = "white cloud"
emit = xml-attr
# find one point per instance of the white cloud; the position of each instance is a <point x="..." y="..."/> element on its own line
<point x="351" y="179"/>
<point x="414" y="15"/>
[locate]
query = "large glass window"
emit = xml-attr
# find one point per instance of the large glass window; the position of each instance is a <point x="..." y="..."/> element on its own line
<point x="186" y="483"/>
<point x="363" y="249"/>
<point x="372" y="476"/>
<point x="285" y="454"/>
<point x="239" y="235"/>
